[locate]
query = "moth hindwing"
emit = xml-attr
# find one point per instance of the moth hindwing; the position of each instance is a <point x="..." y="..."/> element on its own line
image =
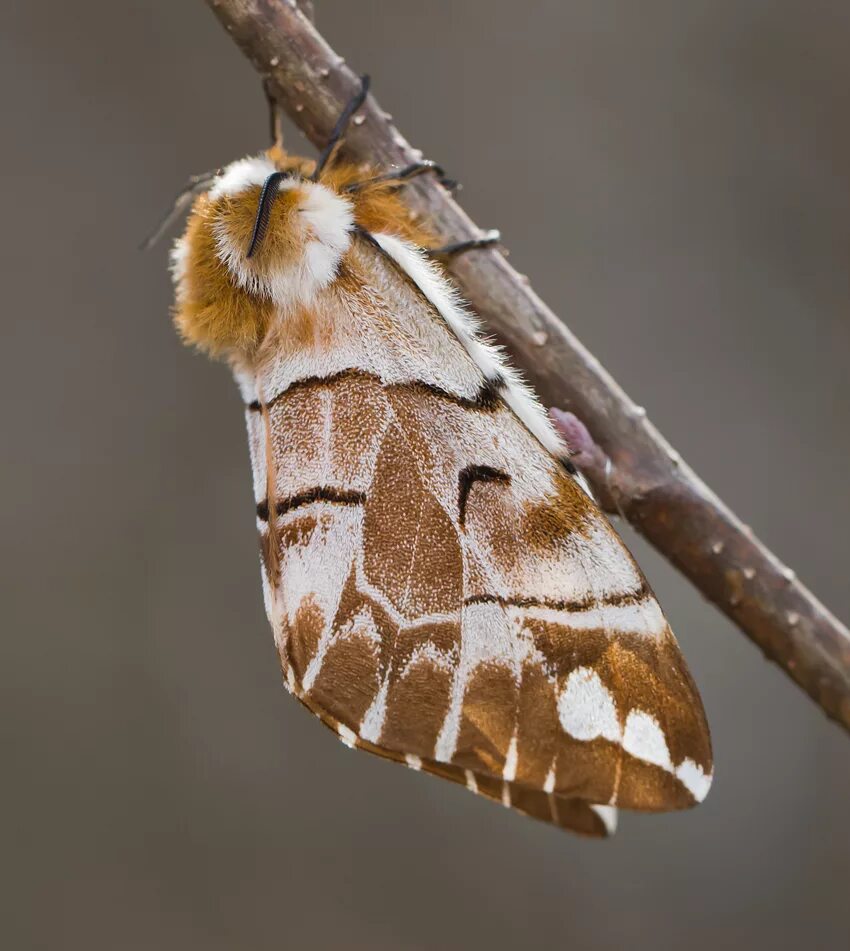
<point x="441" y="589"/>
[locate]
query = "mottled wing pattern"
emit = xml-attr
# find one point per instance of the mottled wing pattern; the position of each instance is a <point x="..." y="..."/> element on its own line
<point x="442" y="592"/>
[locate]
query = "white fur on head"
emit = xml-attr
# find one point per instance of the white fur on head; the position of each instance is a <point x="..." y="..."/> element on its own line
<point x="325" y="219"/>
<point x="242" y="174"/>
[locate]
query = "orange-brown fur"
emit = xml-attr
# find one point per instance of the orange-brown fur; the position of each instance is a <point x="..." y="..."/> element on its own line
<point x="213" y="313"/>
<point x="223" y="319"/>
<point x="378" y="207"/>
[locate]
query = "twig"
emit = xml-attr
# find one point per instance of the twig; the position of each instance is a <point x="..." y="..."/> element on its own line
<point x="660" y="495"/>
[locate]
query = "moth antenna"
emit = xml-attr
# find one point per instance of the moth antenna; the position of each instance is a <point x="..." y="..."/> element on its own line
<point x="196" y="185"/>
<point x="341" y="126"/>
<point x="394" y="176"/>
<point x="264" y="209"/>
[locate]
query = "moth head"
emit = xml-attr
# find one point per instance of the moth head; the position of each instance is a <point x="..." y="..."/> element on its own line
<point x="258" y="246"/>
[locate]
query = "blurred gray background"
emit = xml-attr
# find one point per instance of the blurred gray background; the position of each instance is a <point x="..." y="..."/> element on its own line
<point x="675" y="178"/>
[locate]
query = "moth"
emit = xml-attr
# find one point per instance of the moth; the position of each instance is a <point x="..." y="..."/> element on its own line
<point x="442" y="588"/>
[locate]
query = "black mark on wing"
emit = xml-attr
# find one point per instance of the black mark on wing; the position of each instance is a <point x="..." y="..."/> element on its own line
<point x="582" y="604"/>
<point x="468" y="477"/>
<point x="487" y="399"/>
<point x="318" y="493"/>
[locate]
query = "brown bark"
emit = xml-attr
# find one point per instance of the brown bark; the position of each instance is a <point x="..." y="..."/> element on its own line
<point x="658" y="493"/>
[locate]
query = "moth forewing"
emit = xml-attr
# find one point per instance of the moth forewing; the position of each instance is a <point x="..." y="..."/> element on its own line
<point x="441" y="589"/>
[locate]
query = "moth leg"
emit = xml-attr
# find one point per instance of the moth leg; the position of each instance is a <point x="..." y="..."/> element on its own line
<point x="275" y="116"/>
<point x="341" y="127"/>
<point x="405" y="174"/>
<point x="487" y="240"/>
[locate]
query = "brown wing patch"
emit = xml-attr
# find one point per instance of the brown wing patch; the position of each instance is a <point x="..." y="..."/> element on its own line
<point x="537" y="726"/>
<point x="565" y="513"/>
<point x="349" y="678"/>
<point x="305" y="632"/>
<point x="587" y="769"/>
<point x="424" y="686"/>
<point x="650" y="788"/>
<point x="358" y="640"/>
<point x="411" y="549"/>
<point x="488" y="719"/>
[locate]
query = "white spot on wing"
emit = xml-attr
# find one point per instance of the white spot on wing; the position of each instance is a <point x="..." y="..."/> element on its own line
<point x="509" y="771"/>
<point x="692" y="777"/>
<point x="586" y="710"/>
<point x="586" y="707"/>
<point x="348" y="736"/>
<point x="644" y="739"/>
<point x="608" y="815"/>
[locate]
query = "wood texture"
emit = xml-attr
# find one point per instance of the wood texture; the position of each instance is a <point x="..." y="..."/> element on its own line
<point x="658" y="493"/>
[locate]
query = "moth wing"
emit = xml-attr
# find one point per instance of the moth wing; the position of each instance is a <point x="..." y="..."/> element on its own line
<point x="443" y="593"/>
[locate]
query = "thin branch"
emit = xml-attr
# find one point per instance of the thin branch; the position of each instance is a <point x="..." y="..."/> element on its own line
<point x="660" y="495"/>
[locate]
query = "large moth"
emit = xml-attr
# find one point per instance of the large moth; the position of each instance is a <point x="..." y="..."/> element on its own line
<point x="442" y="589"/>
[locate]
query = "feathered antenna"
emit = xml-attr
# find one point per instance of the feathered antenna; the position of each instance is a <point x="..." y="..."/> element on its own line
<point x="264" y="209"/>
<point x="196" y="185"/>
<point x="269" y="192"/>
